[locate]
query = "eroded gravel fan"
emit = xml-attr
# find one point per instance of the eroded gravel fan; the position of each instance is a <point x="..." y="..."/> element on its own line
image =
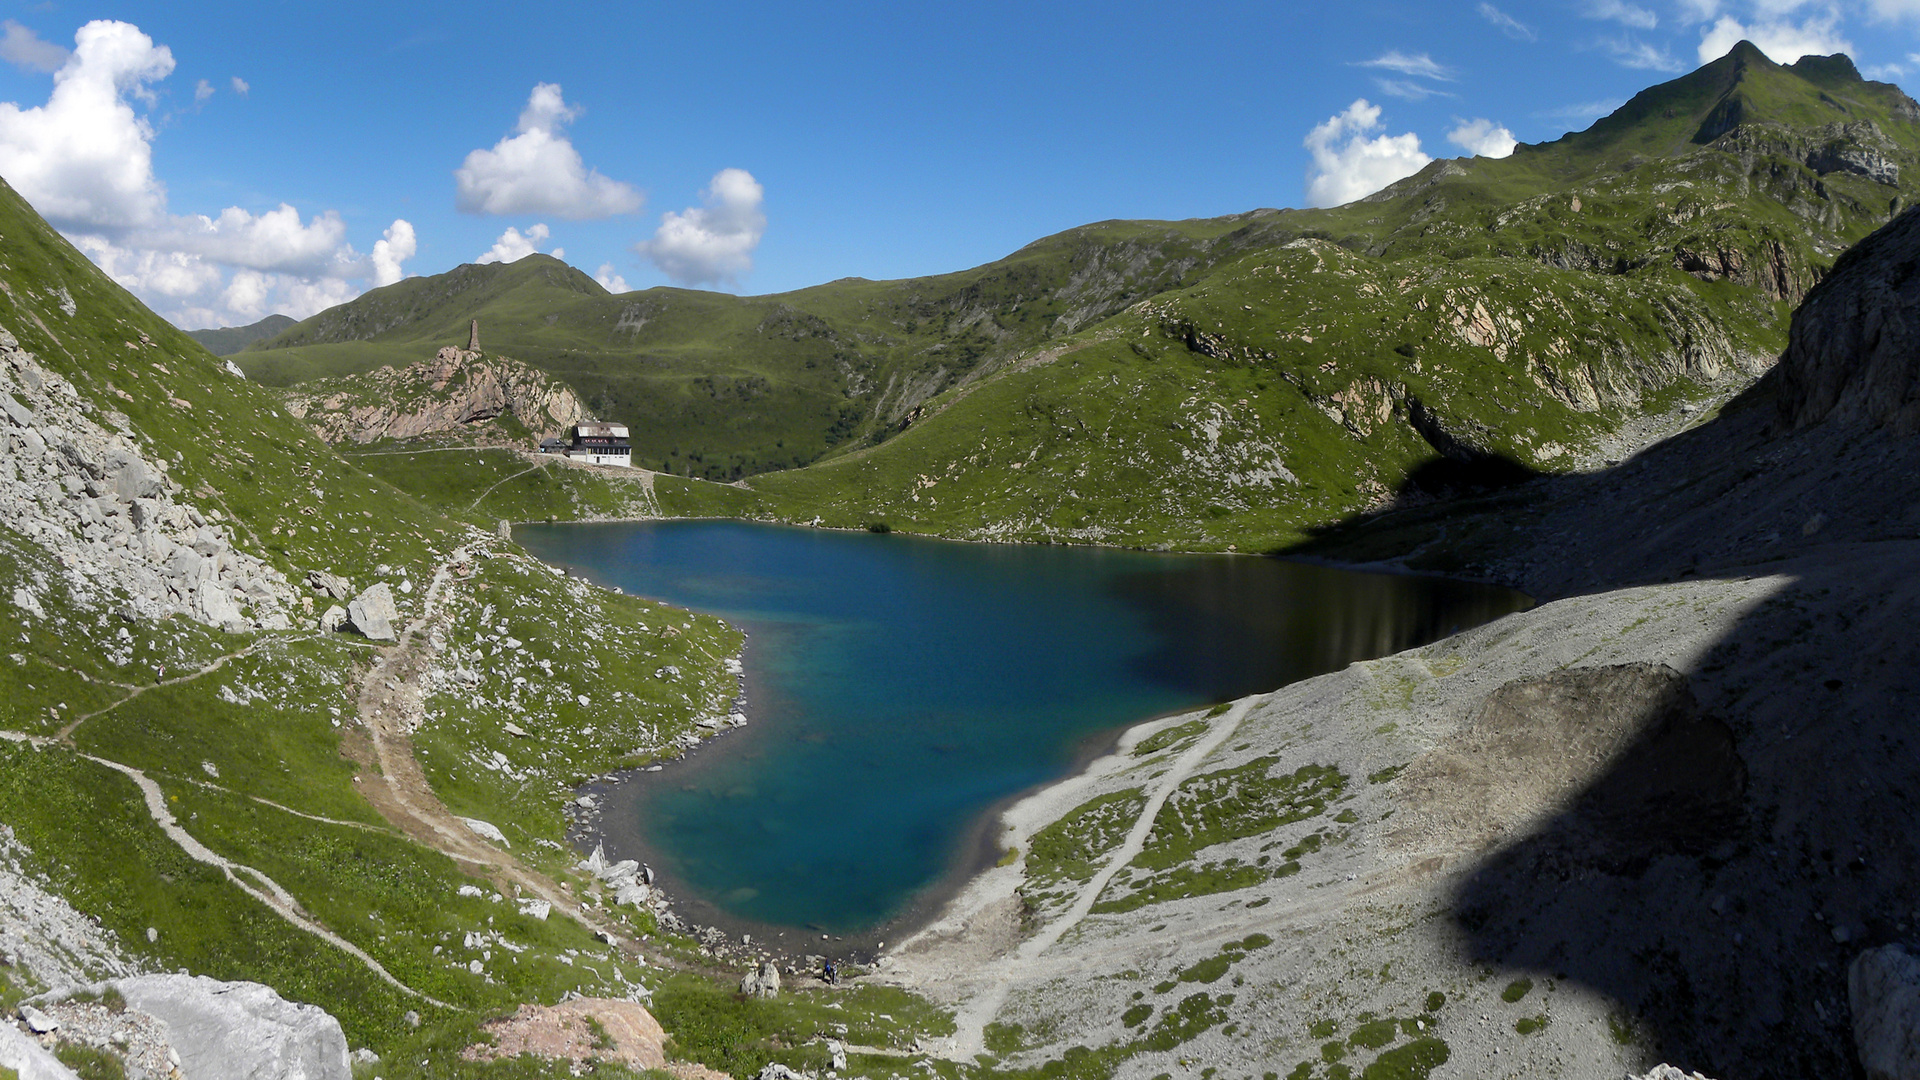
<point x="1536" y="749"/>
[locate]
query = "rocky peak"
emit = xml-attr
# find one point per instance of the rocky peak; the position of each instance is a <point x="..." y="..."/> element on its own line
<point x="457" y="390"/>
<point x="1853" y="353"/>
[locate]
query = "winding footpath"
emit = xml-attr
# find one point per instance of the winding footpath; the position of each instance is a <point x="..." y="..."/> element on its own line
<point x="972" y="1018"/>
<point x="268" y="892"/>
<point x="389" y="705"/>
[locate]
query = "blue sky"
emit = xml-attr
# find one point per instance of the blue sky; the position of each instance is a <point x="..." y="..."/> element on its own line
<point x="228" y="161"/>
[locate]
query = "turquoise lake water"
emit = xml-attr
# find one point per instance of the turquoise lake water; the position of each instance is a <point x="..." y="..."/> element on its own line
<point x="899" y="687"/>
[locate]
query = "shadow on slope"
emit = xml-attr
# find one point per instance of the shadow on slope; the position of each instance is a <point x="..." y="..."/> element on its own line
<point x="1720" y="919"/>
<point x="1722" y="927"/>
<point x="1734" y="856"/>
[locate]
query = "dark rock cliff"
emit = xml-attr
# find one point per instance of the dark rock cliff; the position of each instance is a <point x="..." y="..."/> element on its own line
<point x="1853" y="354"/>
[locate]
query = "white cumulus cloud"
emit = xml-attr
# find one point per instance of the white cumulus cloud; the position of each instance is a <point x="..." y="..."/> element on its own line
<point x="240" y="86"/>
<point x="610" y="281"/>
<point x="714" y="243"/>
<point x="24" y="49"/>
<point x="394" y="247"/>
<point x="202" y="90"/>
<point x="1483" y="138"/>
<point x="1347" y="164"/>
<point x="1894" y="9"/>
<point x="84" y="157"/>
<point x="1783" y="40"/>
<point x="1697" y="11"/>
<point x="84" y="160"/>
<point x="536" y="170"/>
<point x="514" y="245"/>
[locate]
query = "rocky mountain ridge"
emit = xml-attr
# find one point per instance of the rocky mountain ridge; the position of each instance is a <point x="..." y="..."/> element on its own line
<point x="1247" y="382"/>
<point x="459" y="390"/>
<point x="1852" y="354"/>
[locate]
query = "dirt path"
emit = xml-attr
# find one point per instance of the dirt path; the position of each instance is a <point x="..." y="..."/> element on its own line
<point x="478" y="499"/>
<point x="65" y="735"/>
<point x="972" y="1018"/>
<point x="391" y="779"/>
<point x="243" y="877"/>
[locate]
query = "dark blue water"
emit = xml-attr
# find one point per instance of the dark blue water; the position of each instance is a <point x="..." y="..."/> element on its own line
<point x="899" y="687"/>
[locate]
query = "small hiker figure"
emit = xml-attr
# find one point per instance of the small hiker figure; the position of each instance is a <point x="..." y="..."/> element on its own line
<point x="829" y="973"/>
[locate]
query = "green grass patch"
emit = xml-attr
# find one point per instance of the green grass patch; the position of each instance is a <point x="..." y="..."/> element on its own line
<point x="1072" y="847"/>
<point x="1179" y="735"/>
<point x="1234" y="803"/>
<point x="711" y="1024"/>
<point x="1185" y="882"/>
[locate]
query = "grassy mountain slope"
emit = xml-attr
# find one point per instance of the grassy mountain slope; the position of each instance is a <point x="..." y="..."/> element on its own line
<point x="325" y="769"/>
<point x="227" y="340"/>
<point x="1242" y="381"/>
<point x="719" y="386"/>
<point x="1479" y="316"/>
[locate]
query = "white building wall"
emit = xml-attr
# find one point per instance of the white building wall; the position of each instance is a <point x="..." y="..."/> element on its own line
<point x="604" y="459"/>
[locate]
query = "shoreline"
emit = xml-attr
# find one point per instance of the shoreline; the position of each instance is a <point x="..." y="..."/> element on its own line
<point x="977" y="854"/>
<point x="976" y="848"/>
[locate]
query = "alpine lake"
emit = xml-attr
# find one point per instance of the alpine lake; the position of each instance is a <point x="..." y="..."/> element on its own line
<point x="900" y="690"/>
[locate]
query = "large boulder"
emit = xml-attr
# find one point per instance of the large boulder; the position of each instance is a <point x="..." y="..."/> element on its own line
<point x="762" y="982"/>
<point x="23" y="1054"/>
<point x="1663" y="1071"/>
<point x="238" y="1031"/>
<point x="332" y="586"/>
<point x="373" y="614"/>
<point x="1883" y="986"/>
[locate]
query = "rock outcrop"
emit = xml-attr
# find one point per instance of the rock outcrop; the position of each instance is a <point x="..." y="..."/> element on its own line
<point x="762" y="982"/>
<point x="457" y="390"/>
<point x="236" y="1030"/>
<point x="89" y="494"/>
<point x="1854" y="351"/>
<point x="626" y="1034"/>
<point x="373" y="613"/>
<point x="23" y="1054"/>
<point x="1883" y="988"/>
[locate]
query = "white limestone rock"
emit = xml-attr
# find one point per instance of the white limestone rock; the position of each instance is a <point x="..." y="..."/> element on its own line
<point x="37" y="1022"/>
<point x="23" y="1054"/>
<point x="487" y="830"/>
<point x="1883" y="986"/>
<point x="237" y="1031"/>
<point x="1664" y="1071"/>
<point x="373" y="614"/>
<point x="762" y="982"/>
